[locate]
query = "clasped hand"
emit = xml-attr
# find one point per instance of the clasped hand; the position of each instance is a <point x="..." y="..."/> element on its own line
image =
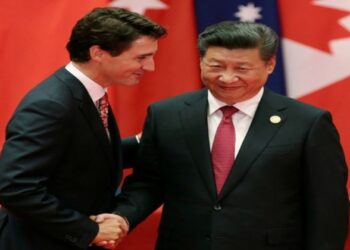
<point x="112" y="229"/>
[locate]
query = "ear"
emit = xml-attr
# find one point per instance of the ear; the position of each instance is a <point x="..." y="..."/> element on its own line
<point x="201" y="62"/>
<point x="96" y="53"/>
<point x="271" y="63"/>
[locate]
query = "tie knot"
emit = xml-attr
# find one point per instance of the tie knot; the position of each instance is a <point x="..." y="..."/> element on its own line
<point x="103" y="107"/>
<point x="228" y="111"/>
<point x="104" y="99"/>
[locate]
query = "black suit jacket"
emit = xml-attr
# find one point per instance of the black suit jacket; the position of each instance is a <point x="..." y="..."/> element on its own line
<point x="56" y="168"/>
<point x="286" y="190"/>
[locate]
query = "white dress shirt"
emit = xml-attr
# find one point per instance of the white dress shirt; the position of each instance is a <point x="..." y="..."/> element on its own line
<point x="95" y="90"/>
<point x="241" y="119"/>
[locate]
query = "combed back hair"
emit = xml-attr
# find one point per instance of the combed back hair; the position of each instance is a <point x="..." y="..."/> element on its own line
<point x="113" y="29"/>
<point x="239" y="35"/>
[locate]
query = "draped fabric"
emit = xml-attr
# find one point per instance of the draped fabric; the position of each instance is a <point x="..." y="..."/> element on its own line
<point x="313" y="61"/>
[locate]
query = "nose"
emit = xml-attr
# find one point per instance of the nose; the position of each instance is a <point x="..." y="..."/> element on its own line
<point x="228" y="77"/>
<point x="148" y="64"/>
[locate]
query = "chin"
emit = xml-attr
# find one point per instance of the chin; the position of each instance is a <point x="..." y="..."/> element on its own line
<point x="230" y="100"/>
<point x="135" y="82"/>
<point x="130" y="82"/>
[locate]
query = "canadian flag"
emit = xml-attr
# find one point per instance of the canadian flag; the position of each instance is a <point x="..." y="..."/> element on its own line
<point x="177" y="71"/>
<point x="314" y="65"/>
<point x="316" y="47"/>
<point x="177" y="67"/>
<point x="33" y="36"/>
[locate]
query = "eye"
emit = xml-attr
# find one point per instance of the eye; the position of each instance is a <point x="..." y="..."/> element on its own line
<point x="243" y="69"/>
<point x="144" y="57"/>
<point x="215" y="67"/>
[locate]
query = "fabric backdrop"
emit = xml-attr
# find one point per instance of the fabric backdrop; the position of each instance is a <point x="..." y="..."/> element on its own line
<point x="313" y="62"/>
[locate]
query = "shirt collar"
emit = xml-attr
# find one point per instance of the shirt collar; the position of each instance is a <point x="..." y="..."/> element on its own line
<point x="95" y="90"/>
<point x="247" y="107"/>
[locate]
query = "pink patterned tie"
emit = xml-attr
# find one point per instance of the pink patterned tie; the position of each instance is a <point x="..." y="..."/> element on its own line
<point x="103" y="107"/>
<point x="223" y="150"/>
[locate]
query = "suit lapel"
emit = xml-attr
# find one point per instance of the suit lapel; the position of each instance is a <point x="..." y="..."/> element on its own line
<point x="258" y="137"/>
<point x="93" y="118"/>
<point x="88" y="109"/>
<point x="193" y="117"/>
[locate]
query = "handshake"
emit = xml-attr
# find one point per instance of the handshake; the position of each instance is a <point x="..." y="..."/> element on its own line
<point x="112" y="229"/>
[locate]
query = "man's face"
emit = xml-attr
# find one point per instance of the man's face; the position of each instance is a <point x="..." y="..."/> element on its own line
<point x="128" y="67"/>
<point x="234" y="75"/>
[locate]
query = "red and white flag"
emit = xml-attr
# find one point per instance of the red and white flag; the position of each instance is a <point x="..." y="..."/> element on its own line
<point x="316" y="46"/>
<point x="177" y="71"/>
<point x="316" y="43"/>
<point x="33" y="36"/>
<point x="176" y="62"/>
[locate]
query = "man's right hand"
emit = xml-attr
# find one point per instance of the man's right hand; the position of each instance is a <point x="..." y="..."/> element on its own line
<point x="112" y="229"/>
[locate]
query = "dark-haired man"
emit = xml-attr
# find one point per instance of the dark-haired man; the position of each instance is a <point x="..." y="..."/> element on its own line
<point x="61" y="161"/>
<point x="236" y="165"/>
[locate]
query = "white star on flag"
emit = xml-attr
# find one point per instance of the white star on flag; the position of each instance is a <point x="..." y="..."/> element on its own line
<point x="248" y="13"/>
<point x="139" y="6"/>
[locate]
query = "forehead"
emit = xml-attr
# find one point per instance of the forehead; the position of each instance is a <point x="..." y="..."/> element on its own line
<point x="232" y="55"/>
<point x="143" y="44"/>
<point x="143" y="40"/>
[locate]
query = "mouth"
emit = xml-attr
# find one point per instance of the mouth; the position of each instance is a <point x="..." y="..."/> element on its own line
<point x="230" y="87"/>
<point x="138" y="74"/>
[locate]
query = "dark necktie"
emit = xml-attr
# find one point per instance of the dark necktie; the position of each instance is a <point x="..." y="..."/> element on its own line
<point x="223" y="149"/>
<point x="103" y="107"/>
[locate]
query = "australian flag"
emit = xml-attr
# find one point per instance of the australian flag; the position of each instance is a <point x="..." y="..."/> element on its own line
<point x="212" y="11"/>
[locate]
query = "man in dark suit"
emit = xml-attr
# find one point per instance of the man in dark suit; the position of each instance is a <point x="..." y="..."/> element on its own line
<point x="62" y="159"/>
<point x="277" y="182"/>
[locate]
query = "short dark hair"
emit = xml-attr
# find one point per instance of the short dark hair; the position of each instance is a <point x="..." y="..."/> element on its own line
<point x="239" y="35"/>
<point x="113" y="29"/>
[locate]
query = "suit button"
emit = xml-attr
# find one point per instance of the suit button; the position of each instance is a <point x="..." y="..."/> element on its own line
<point x="217" y="207"/>
<point x="207" y="237"/>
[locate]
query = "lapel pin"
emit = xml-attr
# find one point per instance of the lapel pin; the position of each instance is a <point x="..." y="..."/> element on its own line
<point x="275" y="119"/>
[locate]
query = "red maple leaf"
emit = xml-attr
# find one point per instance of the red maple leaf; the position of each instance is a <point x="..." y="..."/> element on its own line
<point x="310" y="24"/>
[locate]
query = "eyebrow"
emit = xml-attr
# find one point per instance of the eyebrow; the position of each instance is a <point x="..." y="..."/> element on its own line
<point x="213" y="60"/>
<point x="147" y="54"/>
<point x="208" y="61"/>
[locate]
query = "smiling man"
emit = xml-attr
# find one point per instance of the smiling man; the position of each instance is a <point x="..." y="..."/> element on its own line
<point x="236" y="165"/>
<point x="62" y="159"/>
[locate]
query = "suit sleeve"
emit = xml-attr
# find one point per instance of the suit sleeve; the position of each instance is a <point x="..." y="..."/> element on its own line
<point x="142" y="191"/>
<point x="130" y="148"/>
<point x="36" y="138"/>
<point x="326" y="198"/>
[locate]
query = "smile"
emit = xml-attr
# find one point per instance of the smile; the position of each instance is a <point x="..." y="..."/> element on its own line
<point x="230" y="87"/>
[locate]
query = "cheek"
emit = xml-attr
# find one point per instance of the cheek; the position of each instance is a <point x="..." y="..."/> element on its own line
<point x="255" y="81"/>
<point x="209" y="77"/>
<point x="125" y="71"/>
<point x="132" y="67"/>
